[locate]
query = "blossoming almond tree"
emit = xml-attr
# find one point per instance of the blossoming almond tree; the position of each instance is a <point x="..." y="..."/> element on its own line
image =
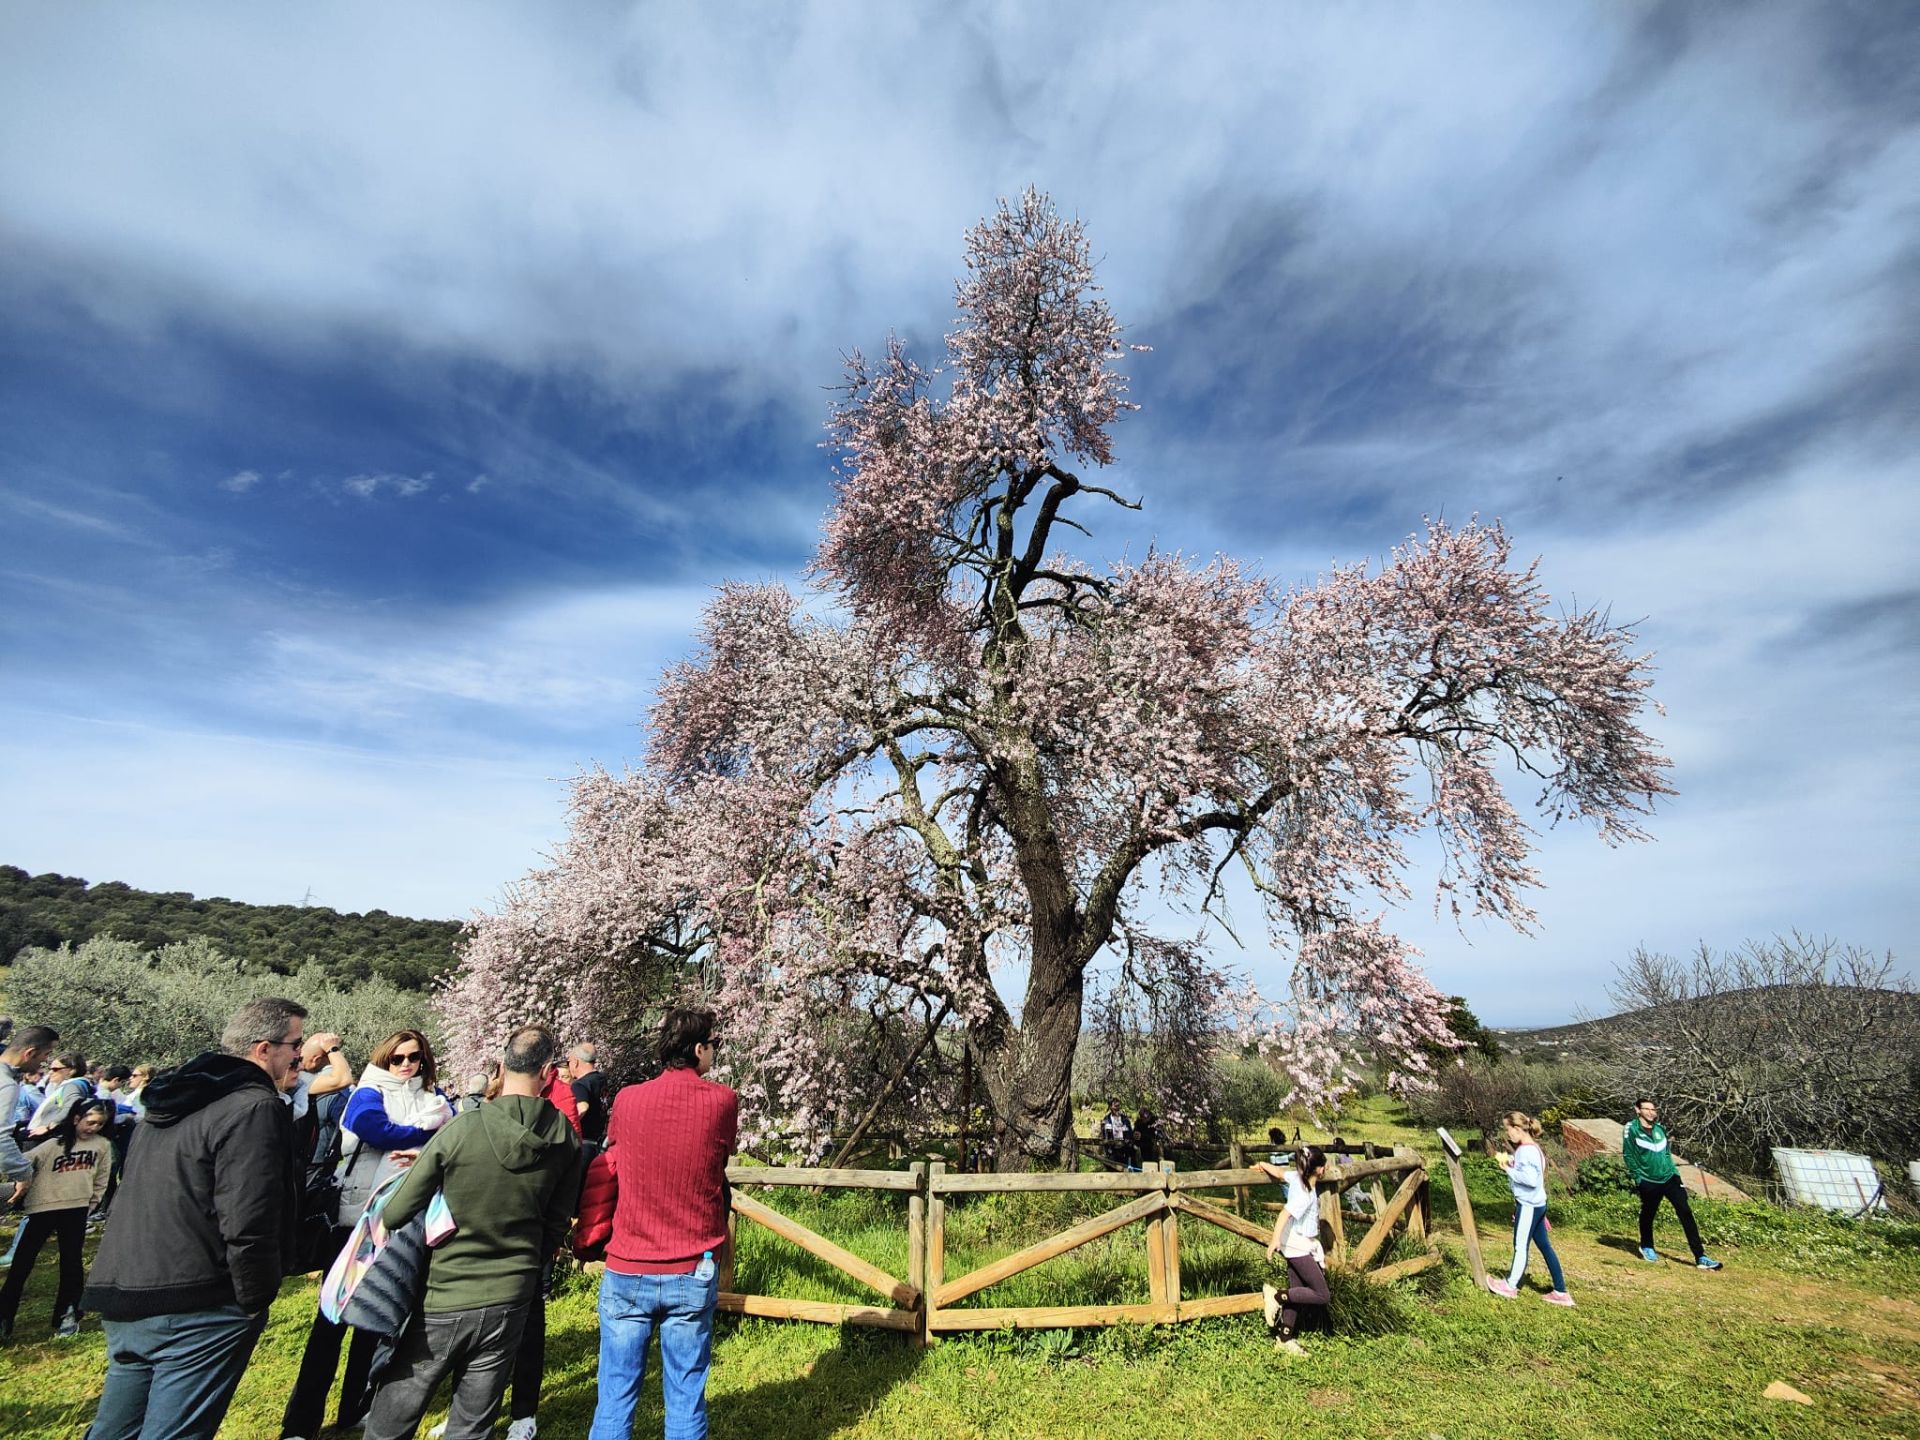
<point x="957" y="776"/>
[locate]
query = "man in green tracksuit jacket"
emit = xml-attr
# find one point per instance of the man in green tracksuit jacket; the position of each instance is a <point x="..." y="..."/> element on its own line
<point x="1643" y="1145"/>
<point x="510" y="1172"/>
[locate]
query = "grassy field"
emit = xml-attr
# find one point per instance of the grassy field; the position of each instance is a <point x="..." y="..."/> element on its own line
<point x="1653" y="1350"/>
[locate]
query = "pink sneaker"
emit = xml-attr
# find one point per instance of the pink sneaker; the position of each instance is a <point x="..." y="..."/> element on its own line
<point x="1502" y="1289"/>
<point x="1560" y="1297"/>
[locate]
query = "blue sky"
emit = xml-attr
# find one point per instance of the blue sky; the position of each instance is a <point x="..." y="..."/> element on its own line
<point x="382" y="391"/>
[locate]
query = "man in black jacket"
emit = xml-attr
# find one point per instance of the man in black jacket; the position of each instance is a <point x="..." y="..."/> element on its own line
<point x="194" y="1252"/>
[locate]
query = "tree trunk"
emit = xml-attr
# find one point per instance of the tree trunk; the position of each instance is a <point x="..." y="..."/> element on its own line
<point x="1028" y="1069"/>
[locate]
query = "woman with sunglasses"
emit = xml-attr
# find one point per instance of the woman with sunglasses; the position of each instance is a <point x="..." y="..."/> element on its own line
<point x="389" y="1117"/>
<point x="137" y="1087"/>
<point x="67" y="1086"/>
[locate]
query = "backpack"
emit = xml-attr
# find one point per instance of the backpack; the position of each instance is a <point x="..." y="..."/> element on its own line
<point x="317" y="1217"/>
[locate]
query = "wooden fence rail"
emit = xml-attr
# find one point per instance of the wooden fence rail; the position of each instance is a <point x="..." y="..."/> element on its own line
<point x="903" y="1311"/>
<point x="1162" y="1197"/>
<point x="925" y="1302"/>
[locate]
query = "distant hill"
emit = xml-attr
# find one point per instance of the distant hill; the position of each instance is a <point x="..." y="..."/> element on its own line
<point x="52" y="910"/>
<point x="1589" y="1036"/>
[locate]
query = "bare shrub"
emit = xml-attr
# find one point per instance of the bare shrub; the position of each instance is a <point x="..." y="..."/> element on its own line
<point x="1793" y="1041"/>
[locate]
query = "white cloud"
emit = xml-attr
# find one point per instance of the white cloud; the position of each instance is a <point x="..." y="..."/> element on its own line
<point x="365" y="487"/>
<point x="1416" y="258"/>
<point x="578" y="662"/>
<point x="263" y="821"/>
<point x="241" y="481"/>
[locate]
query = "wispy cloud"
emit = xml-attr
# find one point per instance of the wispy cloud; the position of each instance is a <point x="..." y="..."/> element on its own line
<point x="548" y="662"/>
<point x="71" y="518"/>
<point x="433" y="834"/>
<point x="1639" y="279"/>
<point x="404" y="487"/>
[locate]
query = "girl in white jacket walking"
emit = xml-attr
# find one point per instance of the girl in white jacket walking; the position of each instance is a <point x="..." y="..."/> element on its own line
<point x="1526" y="1168"/>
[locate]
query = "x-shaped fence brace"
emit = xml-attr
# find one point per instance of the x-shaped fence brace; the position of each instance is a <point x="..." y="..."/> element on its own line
<point x="924" y="1303"/>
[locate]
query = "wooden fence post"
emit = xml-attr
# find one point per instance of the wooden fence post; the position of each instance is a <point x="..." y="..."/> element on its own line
<point x="1157" y="1256"/>
<point x="1330" y="1202"/>
<point x="726" y="1264"/>
<point x="1469" y="1231"/>
<point x="935" y="1261"/>
<point x="1171" y="1234"/>
<point x="1237" y="1158"/>
<point x="917" y="1229"/>
<point x="1420" y="1217"/>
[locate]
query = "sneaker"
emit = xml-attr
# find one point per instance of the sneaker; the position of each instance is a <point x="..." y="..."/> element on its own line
<point x="67" y="1326"/>
<point x="1706" y="1262"/>
<point x="524" y="1429"/>
<point x="1291" y="1347"/>
<point x="1560" y="1297"/>
<point x="1647" y="1252"/>
<point x="1270" y="1305"/>
<point x="1502" y="1289"/>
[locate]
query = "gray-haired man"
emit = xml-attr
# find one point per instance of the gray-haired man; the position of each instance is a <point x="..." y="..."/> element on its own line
<point x="589" y="1085"/>
<point x="195" y="1251"/>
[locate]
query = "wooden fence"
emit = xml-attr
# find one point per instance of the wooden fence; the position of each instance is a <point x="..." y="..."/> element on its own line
<point x="925" y="1301"/>
<point x="903" y="1309"/>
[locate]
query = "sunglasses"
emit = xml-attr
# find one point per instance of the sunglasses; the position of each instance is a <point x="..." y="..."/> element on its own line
<point x="405" y="1057"/>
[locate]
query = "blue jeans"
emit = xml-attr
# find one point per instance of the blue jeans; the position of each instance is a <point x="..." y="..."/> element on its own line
<point x="1530" y="1227"/>
<point x="632" y="1308"/>
<point x="174" y="1375"/>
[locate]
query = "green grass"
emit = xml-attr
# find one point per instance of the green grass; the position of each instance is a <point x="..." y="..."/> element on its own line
<point x="1652" y="1351"/>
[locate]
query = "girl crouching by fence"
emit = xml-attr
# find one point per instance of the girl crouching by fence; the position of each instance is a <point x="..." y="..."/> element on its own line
<point x="1296" y="1239"/>
<point x="1526" y="1168"/>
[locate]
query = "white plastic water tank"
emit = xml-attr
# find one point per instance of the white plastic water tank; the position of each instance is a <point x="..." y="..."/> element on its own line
<point x="1832" y="1179"/>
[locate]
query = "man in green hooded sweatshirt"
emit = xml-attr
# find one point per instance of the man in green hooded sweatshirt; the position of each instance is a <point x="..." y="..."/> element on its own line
<point x="509" y="1171"/>
<point x="1649" y="1158"/>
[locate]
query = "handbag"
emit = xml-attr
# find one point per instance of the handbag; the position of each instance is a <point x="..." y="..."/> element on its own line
<point x="365" y="1244"/>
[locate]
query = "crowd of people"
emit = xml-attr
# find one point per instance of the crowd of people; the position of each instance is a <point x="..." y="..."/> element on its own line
<point x="270" y="1157"/>
<point x="231" y="1156"/>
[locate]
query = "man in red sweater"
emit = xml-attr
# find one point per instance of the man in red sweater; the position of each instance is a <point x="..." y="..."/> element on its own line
<point x="670" y="1140"/>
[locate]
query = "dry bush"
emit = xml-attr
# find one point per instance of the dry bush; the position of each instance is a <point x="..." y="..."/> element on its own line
<point x="1792" y="1041"/>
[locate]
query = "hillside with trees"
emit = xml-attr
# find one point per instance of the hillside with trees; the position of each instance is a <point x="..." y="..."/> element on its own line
<point x="49" y="911"/>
